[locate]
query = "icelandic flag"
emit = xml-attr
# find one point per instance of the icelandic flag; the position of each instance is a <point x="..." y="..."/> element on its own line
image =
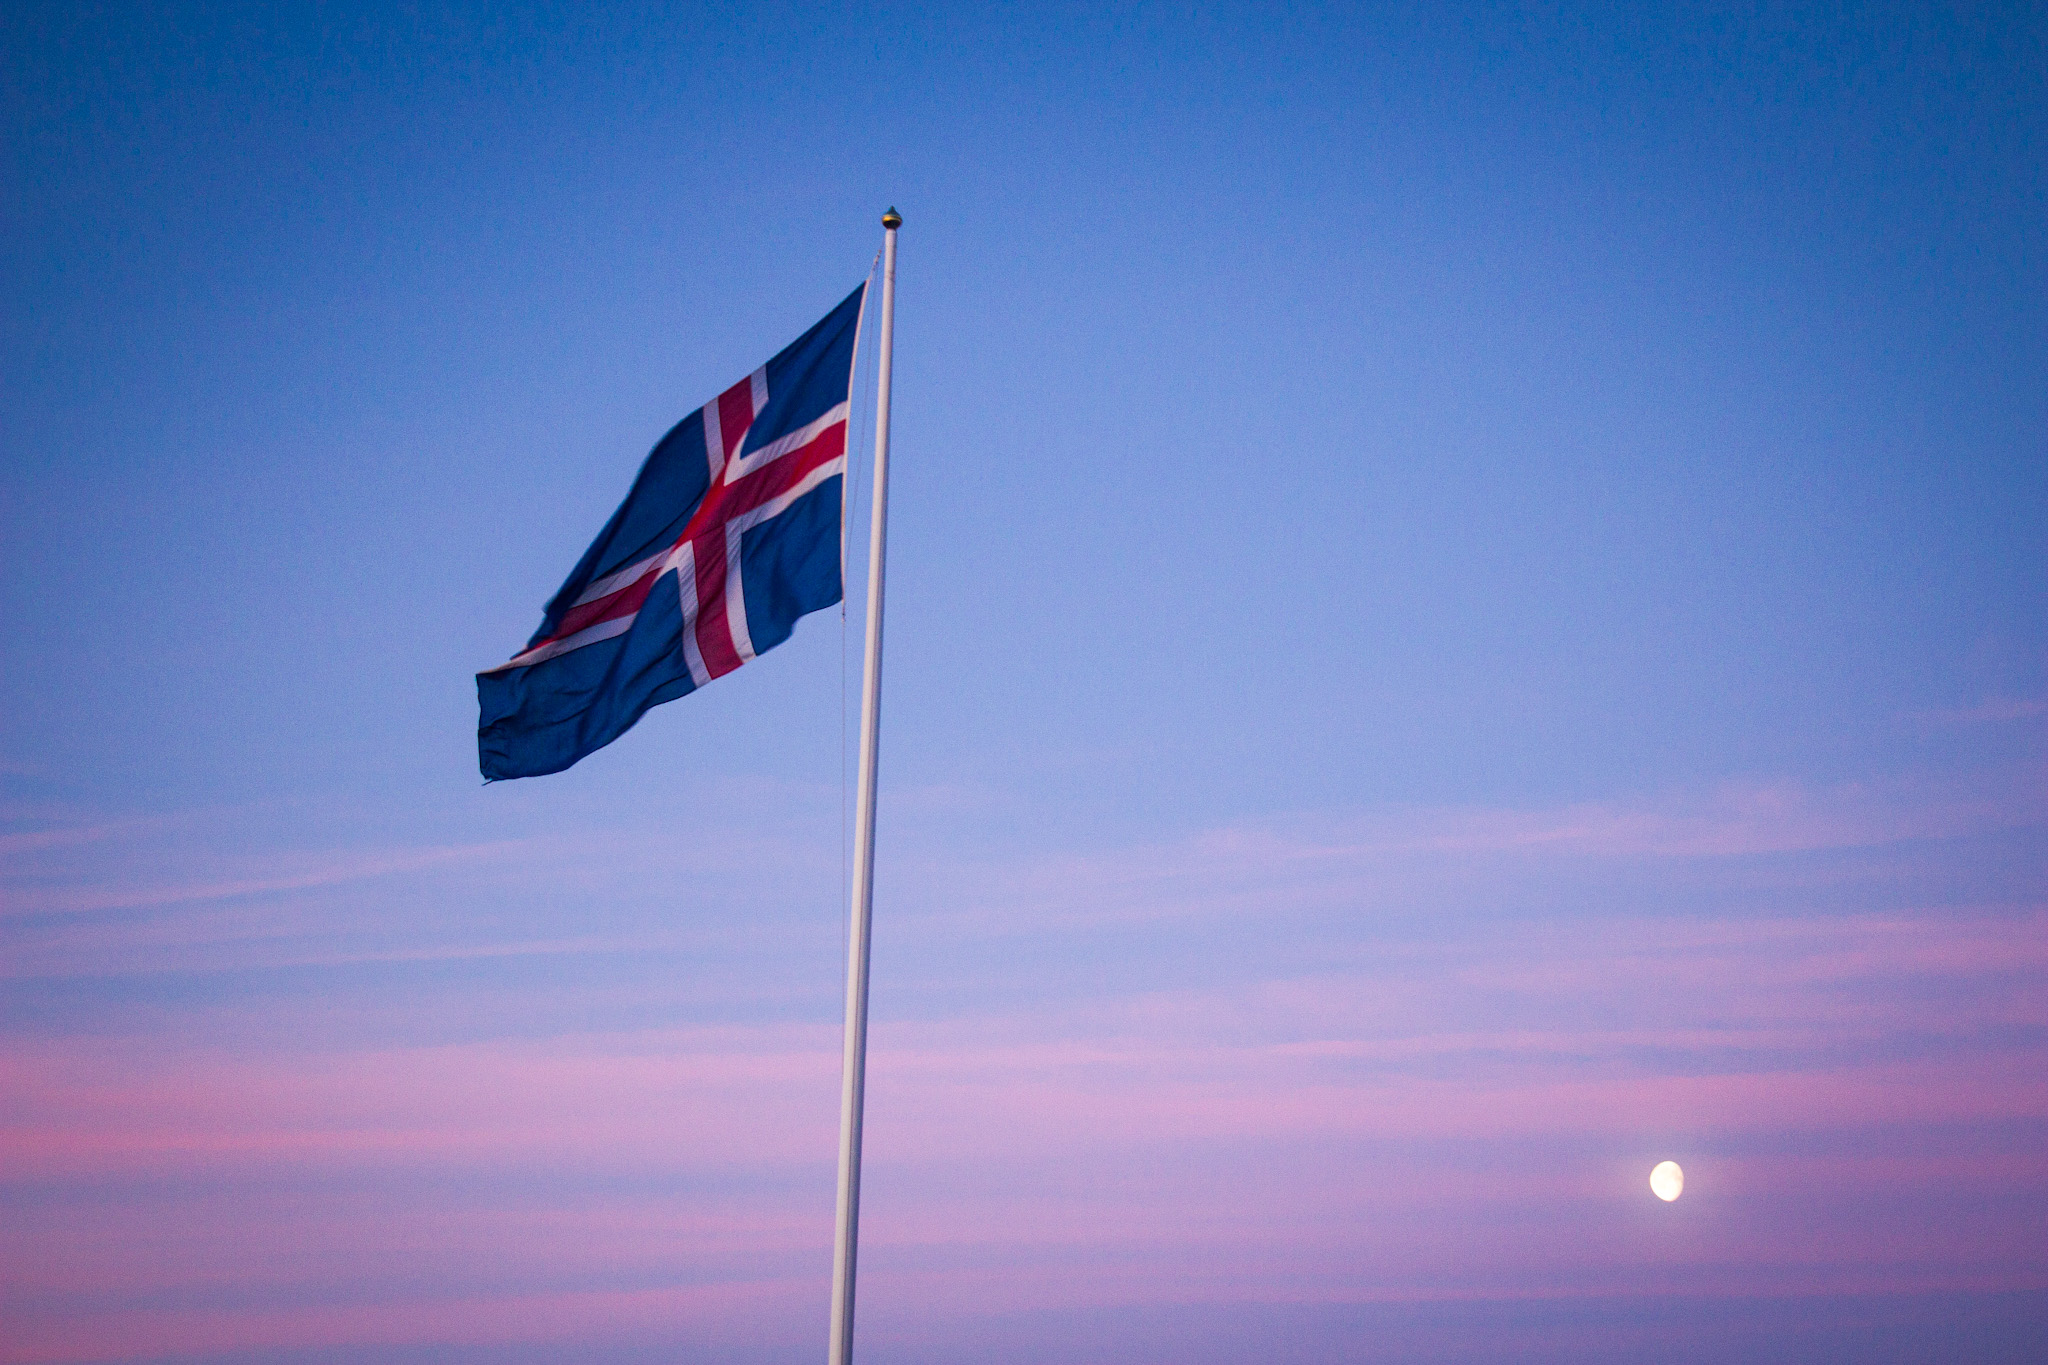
<point x="730" y="534"/>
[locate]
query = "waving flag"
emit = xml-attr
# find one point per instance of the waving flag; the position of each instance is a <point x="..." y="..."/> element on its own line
<point x="730" y="534"/>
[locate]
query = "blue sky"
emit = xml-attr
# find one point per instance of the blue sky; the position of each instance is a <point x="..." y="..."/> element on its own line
<point x="1484" y="559"/>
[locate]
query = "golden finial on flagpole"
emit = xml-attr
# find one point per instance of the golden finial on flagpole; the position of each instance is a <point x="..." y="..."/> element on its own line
<point x="892" y="219"/>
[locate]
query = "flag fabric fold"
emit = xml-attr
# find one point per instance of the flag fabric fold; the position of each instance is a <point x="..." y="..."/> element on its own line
<point x="730" y="533"/>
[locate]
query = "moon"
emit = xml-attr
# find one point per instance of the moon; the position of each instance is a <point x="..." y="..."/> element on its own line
<point x="1667" y="1182"/>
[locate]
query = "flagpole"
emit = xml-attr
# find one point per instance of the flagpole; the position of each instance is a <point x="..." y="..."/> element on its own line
<point x="854" y="1065"/>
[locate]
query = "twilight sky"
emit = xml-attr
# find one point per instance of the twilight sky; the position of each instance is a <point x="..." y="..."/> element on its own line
<point x="1469" y="612"/>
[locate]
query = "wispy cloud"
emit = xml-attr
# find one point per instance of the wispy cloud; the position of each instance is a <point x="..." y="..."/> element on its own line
<point x="311" y="871"/>
<point x="54" y="830"/>
<point x="150" y="895"/>
<point x="1991" y="709"/>
<point x="1448" y="1105"/>
<point x="1376" y="857"/>
<point x="1339" y="1137"/>
<point x="729" y="1314"/>
<point x="239" y="889"/>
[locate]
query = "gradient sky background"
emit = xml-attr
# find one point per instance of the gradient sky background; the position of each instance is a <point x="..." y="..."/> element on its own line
<point x="1469" y="613"/>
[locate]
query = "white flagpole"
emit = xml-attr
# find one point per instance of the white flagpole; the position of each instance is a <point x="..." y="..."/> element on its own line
<point x="853" y="1074"/>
